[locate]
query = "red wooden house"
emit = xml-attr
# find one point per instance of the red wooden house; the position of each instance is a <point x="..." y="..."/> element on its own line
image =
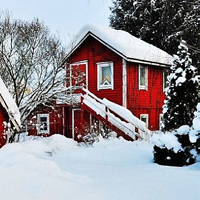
<point x="9" y="112"/>
<point x="114" y="65"/>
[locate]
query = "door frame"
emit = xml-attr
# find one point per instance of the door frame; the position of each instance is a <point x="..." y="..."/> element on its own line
<point x="73" y="115"/>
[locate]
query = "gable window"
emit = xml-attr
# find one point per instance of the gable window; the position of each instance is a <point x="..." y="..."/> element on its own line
<point x="145" y="119"/>
<point x="143" y="77"/>
<point x="43" y="123"/>
<point x="105" y="75"/>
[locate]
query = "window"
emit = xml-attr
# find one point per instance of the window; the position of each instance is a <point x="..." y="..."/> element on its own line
<point x="78" y="76"/>
<point x="43" y="123"/>
<point x="160" y="121"/>
<point x="105" y="76"/>
<point x="143" y="78"/>
<point x="145" y="119"/>
<point x="165" y="81"/>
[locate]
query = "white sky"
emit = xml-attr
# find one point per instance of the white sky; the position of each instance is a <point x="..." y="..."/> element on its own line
<point x="64" y="17"/>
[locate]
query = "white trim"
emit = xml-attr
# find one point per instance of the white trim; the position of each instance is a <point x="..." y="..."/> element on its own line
<point x="163" y="81"/>
<point x="124" y="83"/>
<point x="100" y="65"/>
<point x="147" y="118"/>
<point x="165" y="73"/>
<point x="82" y="62"/>
<point x="39" y="131"/>
<point x="63" y="119"/>
<point x="90" y="121"/>
<point x="143" y="87"/>
<point x="73" y="128"/>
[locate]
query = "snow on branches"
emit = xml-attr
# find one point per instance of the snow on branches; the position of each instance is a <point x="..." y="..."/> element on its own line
<point x="182" y="92"/>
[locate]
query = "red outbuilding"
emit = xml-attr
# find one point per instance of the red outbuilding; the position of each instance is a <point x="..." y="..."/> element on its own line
<point x="9" y="114"/>
<point x="124" y="81"/>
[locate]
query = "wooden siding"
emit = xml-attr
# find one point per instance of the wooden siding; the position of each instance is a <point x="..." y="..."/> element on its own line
<point x="55" y="120"/>
<point x="94" y="52"/>
<point x="145" y="101"/>
<point x="137" y="101"/>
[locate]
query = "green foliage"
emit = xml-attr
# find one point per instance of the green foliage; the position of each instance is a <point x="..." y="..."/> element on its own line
<point x="162" y="23"/>
<point x="182" y="92"/>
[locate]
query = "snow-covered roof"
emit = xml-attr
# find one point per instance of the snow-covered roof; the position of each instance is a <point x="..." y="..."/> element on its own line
<point x="127" y="46"/>
<point x="10" y="106"/>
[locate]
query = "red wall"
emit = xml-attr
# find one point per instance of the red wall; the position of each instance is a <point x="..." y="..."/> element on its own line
<point x="94" y="52"/>
<point x="55" y="120"/>
<point x="146" y="101"/>
<point x="138" y="101"/>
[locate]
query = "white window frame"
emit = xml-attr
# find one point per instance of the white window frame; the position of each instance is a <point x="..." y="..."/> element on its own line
<point x="99" y="72"/>
<point x="147" y="119"/>
<point x="39" y="131"/>
<point x="83" y="62"/>
<point x="165" y="72"/>
<point x="145" y="86"/>
<point x="160" y="120"/>
<point x="124" y="82"/>
<point x="73" y="122"/>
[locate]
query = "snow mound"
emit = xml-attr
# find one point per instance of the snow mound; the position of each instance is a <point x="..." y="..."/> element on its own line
<point x="108" y="170"/>
<point x="29" y="171"/>
<point x="59" y="142"/>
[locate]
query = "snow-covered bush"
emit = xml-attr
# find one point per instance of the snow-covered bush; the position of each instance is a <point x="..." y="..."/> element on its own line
<point x="174" y="148"/>
<point x="195" y="132"/>
<point x="91" y="134"/>
<point x="94" y="132"/>
<point x="180" y="147"/>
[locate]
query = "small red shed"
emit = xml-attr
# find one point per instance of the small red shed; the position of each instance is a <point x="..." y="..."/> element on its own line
<point x="9" y="112"/>
<point x="115" y="65"/>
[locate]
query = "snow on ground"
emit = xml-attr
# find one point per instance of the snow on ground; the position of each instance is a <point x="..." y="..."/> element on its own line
<point x="56" y="168"/>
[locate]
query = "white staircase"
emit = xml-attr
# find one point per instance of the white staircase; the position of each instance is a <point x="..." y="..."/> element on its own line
<point x="116" y="115"/>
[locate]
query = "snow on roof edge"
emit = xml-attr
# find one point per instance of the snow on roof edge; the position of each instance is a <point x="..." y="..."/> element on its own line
<point x="129" y="47"/>
<point x="10" y="105"/>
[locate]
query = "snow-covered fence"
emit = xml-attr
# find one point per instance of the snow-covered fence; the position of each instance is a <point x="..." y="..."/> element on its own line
<point x="117" y="115"/>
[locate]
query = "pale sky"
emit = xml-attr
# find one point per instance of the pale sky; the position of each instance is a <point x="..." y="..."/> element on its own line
<point x="65" y="17"/>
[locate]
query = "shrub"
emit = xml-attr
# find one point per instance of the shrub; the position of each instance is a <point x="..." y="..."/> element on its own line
<point x="174" y="149"/>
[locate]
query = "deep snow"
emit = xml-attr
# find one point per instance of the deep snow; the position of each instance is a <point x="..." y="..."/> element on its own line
<point x="56" y="168"/>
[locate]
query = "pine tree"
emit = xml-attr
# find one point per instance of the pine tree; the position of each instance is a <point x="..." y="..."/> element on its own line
<point x="162" y="23"/>
<point x="182" y="92"/>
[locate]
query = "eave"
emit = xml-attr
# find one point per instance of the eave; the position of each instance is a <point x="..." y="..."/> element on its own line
<point x="135" y="60"/>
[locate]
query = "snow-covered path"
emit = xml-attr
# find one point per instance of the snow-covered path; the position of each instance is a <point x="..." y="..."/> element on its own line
<point x="56" y="168"/>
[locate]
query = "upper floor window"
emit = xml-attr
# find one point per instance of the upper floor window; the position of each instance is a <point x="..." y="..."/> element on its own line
<point x="105" y="75"/>
<point x="143" y="77"/>
<point x="165" y="81"/>
<point x="78" y="75"/>
<point x="43" y="123"/>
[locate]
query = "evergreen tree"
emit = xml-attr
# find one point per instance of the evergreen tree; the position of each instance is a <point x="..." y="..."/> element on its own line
<point x="182" y="92"/>
<point x="162" y="23"/>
